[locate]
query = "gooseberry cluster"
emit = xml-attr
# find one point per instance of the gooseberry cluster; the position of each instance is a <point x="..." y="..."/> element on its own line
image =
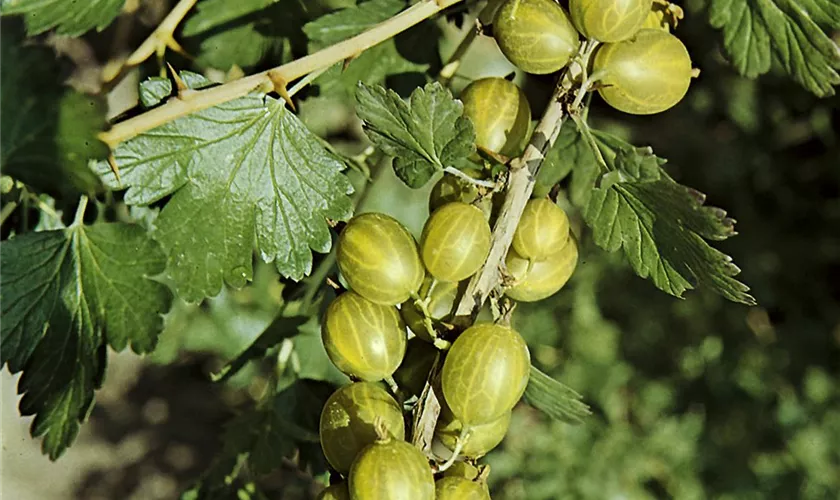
<point x="390" y="331"/>
<point x="394" y="332"/>
<point x="639" y="67"/>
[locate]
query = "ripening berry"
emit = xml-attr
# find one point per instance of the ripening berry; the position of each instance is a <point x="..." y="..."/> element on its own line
<point x="393" y="470"/>
<point x="363" y="339"/>
<point x="347" y="421"/>
<point x="500" y="113"/>
<point x="455" y="242"/>
<point x="647" y="74"/>
<point x="535" y="35"/>
<point x="483" y="437"/>
<point x="609" y="20"/>
<point x="378" y="258"/>
<point x="543" y="230"/>
<point x="537" y="280"/>
<point x="485" y="373"/>
<point x="458" y="488"/>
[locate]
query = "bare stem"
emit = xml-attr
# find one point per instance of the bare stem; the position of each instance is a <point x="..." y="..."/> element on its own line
<point x="199" y="100"/>
<point x="461" y="175"/>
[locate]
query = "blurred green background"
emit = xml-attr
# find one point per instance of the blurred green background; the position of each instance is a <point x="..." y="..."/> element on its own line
<point x="694" y="398"/>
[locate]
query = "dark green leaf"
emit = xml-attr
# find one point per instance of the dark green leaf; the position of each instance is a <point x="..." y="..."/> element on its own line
<point x="69" y="18"/>
<point x="660" y="224"/>
<point x="66" y="294"/>
<point x="554" y="399"/>
<point x="243" y="171"/>
<point x="246" y="40"/>
<point x="570" y="152"/>
<point x="424" y="135"/>
<point x="410" y="53"/>
<point x="213" y="13"/>
<point x="49" y="131"/>
<point x="756" y="32"/>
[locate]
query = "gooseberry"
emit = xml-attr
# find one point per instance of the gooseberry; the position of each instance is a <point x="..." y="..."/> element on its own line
<point x="455" y="242"/>
<point x="543" y="230"/>
<point x="378" y="258"/>
<point x="609" y="20"/>
<point x="483" y="438"/>
<point x="347" y="421"/>
<point x="647" y="74"/>
<point x="459" y="488"/>
<point x="391" y="469"/>
<point x="363" y="339"/>
<point x="535" y="35"/>
<point x="537" y="280"/>
<point x="500" y="113"/>
<point x="485" y="373"/>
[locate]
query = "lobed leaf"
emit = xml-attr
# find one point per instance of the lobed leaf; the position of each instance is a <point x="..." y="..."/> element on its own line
<point x="69" y="18"/>
<point x="66" y="295"/>
<point x="757" y="32"/>
<point x="661" y="225"/>
<point x="554" y="398"/>
<point x="424" y="135"/>
<point x="244" y="170"/>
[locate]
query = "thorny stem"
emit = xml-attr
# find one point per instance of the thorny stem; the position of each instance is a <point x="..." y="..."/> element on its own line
<point x="161" y="38"/>
<point x="199" y="100"/>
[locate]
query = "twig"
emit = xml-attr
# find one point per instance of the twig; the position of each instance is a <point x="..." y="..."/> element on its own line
<point x="200" y="100"/>
<point x="161" y="38"/>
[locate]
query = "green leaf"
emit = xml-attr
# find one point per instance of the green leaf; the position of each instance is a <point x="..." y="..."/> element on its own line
<point x="283" y="425"/>
<point x="314" y="362"/>
<point x="210" y="14"/>
<point x="757" y="32"/>
<point x="65" y="295"/>
<point x="242" y="38"/>
<point x="49" y="131"/>
<point x="661" y="225"/>
<point x="243" y="171"/>
<point x="424" y="135"/>
<point x="69" y="18"/>
<point x="280" y="329"/>
<point x="570" y="152"/>
<point x="408" y="53"/>
<point x="554" y="398"/>
<point x="154" y="90"/>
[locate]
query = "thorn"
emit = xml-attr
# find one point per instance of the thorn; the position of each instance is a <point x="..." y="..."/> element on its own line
<point x="349" y="60"/>
<point x="112" y="162"/>
<point x="176" y="47"/>
<point x="179" y="83"/>
<point x="695" y="72"/>
<point x="280" y="87"/>
<point x="333" y="284"/>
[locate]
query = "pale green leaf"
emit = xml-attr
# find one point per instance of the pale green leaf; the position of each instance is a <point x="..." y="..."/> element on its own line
<point x="424" y="135"/>
<point x="65" y="295"/>
<point x="237" y="173"/>
<point x="68" y="17"/>
<point x="554" y="398"/>
<point x="758" y="32"/>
